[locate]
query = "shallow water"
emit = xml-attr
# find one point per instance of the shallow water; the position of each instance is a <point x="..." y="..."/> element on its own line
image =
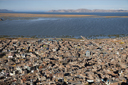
<point x="59" y="27"/>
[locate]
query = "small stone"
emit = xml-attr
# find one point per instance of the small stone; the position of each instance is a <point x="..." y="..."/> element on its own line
<point x="90" y="81"/>
<point x="43" y="78"/>
<point x="88" y="53"/>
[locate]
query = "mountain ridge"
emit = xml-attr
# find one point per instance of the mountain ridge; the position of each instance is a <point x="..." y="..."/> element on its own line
<point x="5" y="10"/>
<point x="86" y="10"/>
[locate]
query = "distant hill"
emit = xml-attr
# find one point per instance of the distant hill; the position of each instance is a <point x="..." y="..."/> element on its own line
<point x="87" y="10"/>
<point x="5" y="10"/>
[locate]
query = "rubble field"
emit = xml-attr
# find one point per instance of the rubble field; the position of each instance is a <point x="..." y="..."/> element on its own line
<point x="56" y="61"/>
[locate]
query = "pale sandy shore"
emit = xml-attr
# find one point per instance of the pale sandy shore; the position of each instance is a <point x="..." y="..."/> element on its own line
<point x="53" y="15"/>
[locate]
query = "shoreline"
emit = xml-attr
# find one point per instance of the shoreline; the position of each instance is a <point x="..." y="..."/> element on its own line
<point x="55" y="15"/>
<point x="68" y="39"/>
<point x="114" y="36"/>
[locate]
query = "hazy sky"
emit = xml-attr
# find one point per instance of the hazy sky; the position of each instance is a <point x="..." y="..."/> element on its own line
<point x="41" y="5"/>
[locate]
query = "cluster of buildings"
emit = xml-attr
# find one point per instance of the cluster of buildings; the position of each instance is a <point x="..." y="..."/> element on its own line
<point x="63" y="62"/>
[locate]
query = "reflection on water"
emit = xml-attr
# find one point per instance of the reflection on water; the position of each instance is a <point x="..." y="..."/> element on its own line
<point x="39" y="19"/>
<point x="59" y="27"/>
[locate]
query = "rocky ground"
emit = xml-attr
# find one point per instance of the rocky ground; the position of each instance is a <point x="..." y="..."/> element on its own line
<point x="64" y="61"/>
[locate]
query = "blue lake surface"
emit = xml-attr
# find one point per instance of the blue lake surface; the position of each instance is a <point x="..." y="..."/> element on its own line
<point x="99" y="14"/>
<point x="59" y="27"/>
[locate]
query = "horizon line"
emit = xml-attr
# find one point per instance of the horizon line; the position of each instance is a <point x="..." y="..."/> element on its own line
<point x="58" y="9"/>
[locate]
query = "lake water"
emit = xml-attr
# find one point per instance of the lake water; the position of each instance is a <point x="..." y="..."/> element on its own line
<point x="64" y="27"/>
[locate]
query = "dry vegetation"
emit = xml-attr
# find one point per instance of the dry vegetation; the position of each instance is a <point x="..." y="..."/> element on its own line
<point x="116" y="16"/>
<point x="40" y="15"/>
<point x="53" y="15"/>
